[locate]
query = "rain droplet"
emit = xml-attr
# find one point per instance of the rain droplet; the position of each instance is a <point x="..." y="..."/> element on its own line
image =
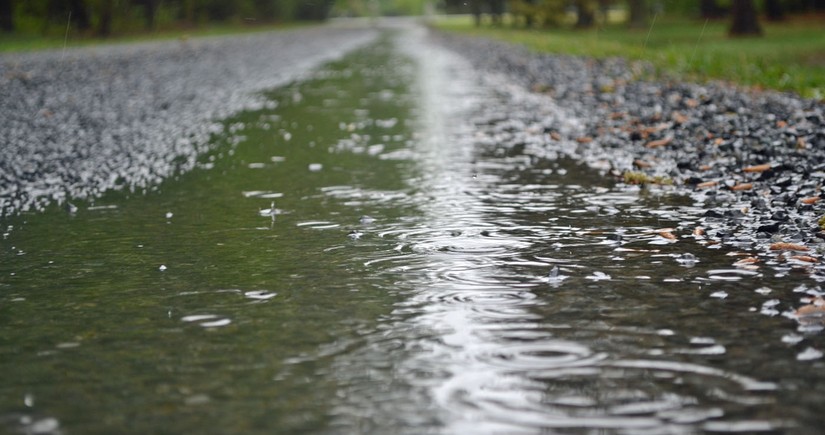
<point x="260" y="295"/>
<point x="809" y="354"/>
<point x="687" y="260"/>
<point x="599" y="276"/>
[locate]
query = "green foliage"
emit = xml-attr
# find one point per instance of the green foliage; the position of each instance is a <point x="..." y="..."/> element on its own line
<point x="789" y="57"/>
<point x="50" y="18"/>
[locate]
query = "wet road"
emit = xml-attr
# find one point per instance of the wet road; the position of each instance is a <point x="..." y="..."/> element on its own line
<point x="372" y="252"/>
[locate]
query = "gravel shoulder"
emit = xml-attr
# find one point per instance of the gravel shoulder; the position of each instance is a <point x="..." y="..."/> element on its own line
<point x="755" y="161"/>
<point x="78" y="123"/>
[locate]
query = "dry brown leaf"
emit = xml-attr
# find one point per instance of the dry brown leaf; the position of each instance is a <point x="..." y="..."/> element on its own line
<point x="746" y="261"/>
<point x="698" y="231"/>
<point x="706" y="184"/>
<point x="692" y="103"/>
<point x="705" y="167"/>
<point x="667" y="234"/>
<point x="641" y="163"/>
<point x="659" y="142"/>
<point x="742" y="186"/>
<point x="584" y="139"/>
<point x="781" y="124"/>
<point x="555" y="136"/>
<point x="801" y="143"/>
<point x="813" y="309"/>
<point x="718" y="141"/>
<point x="805" y="258"/>
<point x="757" y="168"/>
<point x="679" y="118"/>
<point x="809" y="200"/>
<point x="782" y="246"/>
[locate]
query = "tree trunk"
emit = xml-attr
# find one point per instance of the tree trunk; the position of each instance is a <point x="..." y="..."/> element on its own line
<point x="745" y="21"/>
<point x="6" y="16"/>
<point x="475" y="6"/>
<point x="497" y="11"/>
<point x="773" y="10"/>
<point x="104" y="26"/>
<point x="79" y="15"/>
<point x="150" y="9"/>
<point x="586" y="17"/>
<point x="708" y="9"/>
<point x="638" y="14"/>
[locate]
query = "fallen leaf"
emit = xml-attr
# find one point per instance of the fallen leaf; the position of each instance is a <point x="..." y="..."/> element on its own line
<point x="781" y="124"/>
<point x="641" y="164"/>
<point x="742" y="186"/>
<point x="705" y="167"/>
<point x="811" y="310"/>
<point x="584" y="139"/>
<point x="679" y="118"/>
<point x="698" y="231"/>
<point x="660" y="142"/>
<point x="706" y="184"/>
<point x="667" y="234"/>
<point x="805" y="258"/>
<point x="809" y="200"/>
<point x="555" y="136"/>
<point x="757" y="168"/>
<point x="746" y="261"/>
<point x="782" y="246"/>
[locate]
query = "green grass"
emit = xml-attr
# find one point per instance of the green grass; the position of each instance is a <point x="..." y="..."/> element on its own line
<point x="18" y="42"/>
<point x="789" y="57"/>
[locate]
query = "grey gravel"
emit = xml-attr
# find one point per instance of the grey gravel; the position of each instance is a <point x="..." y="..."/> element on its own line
<point x="79" y="122"/>
<point x="691" y="134"/>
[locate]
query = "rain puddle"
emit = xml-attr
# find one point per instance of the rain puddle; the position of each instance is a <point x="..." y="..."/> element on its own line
<point x="367" y="255"/>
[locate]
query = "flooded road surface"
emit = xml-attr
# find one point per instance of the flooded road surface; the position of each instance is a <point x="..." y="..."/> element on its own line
<point x="366" y="257"/>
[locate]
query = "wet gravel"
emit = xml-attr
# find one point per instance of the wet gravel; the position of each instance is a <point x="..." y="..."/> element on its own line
<point x="754" y="161"/>
<point x="79" y="122"/>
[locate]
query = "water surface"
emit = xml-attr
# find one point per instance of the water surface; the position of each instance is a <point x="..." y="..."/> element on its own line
<point x="366" y="256"/>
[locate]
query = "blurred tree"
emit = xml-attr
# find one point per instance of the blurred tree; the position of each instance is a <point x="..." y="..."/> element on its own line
<point x="638" y="14"/>
<point x="6" y="16"/>
<point x="105" y="13"/>
<point x="773" y="10"/>
<point x="744" y="19"/>
<point x="496" y="11"/>
<point x="586" y="15"/>
<point x="709" y="9"/>
<point x="475" y="8"/>
<point x="150" y="10"/>
<point x="79" y="15"/>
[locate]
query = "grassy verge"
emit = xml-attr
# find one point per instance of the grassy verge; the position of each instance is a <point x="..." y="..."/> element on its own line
<point x="32" y="42"/>
<point x="789" y="57"/>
